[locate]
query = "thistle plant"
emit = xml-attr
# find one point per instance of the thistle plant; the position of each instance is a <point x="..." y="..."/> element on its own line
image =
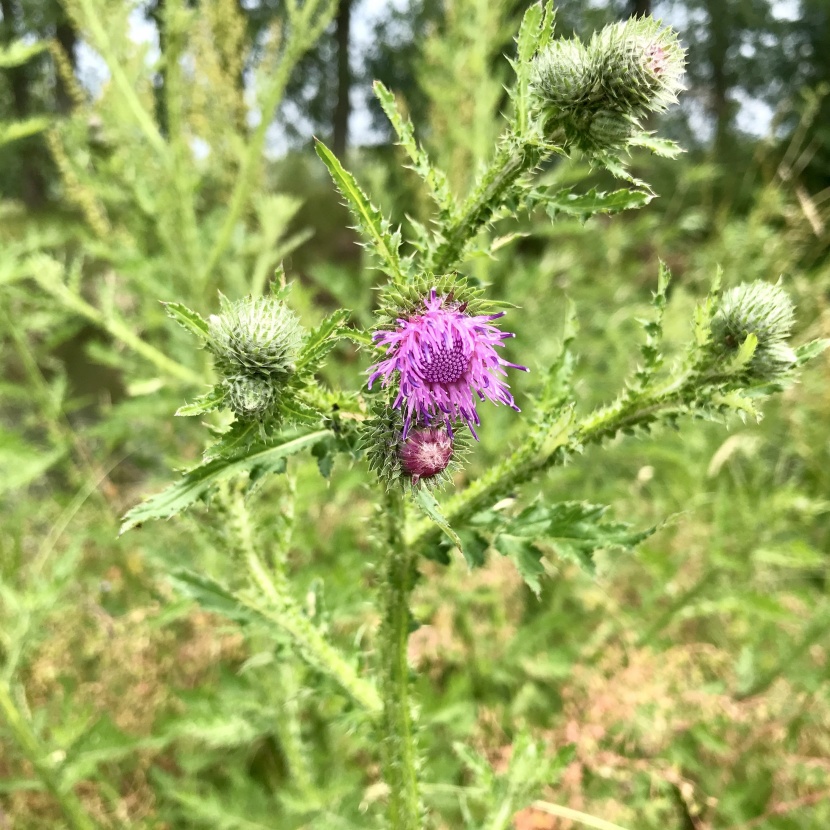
<point x="433" y="354"/>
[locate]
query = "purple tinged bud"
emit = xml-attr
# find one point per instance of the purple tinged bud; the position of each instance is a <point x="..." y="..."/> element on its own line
<point x="426" y="453"/>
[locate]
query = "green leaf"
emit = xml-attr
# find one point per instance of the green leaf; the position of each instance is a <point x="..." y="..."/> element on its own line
<point x="526" y="557"/>
<point x="15" y="130"/>
<point x="382" y="241"/>
<point x="322" y="340"/>
<point x="810" y="350"/>
<point x="575" y="529"/>
<point x="187" y="319"/>
<point x="19" y="52"/>
<point x="210" y="595"/>
<point x="534" y="34"/>
<point x="659" y="146"/>
<point x="435" y="179"/>
<point x="257" y="459"/>
<point x="472" y="553"/>
<point x="208" y="402"/>
<point x="584" y="205"/>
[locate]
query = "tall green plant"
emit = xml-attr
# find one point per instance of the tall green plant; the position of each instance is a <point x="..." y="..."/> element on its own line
<point x="437" y="354"/>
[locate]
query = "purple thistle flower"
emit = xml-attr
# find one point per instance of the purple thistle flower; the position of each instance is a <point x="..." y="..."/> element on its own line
<point x="425" y="453"/>
<point x="443" y="356"/>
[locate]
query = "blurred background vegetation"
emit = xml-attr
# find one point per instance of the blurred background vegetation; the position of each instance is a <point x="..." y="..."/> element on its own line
<point x="161" y="151"/>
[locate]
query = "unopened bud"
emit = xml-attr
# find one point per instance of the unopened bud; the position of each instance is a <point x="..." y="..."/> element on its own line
<point x="426" y="453"/>
<point x="260" y="336"/>
<point x="251" y="396"/>
<point x="639" y="65"/>
<point x="759" y="309"/>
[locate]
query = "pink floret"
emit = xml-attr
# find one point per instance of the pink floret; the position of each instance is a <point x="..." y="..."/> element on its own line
<point x="444" y="358"/>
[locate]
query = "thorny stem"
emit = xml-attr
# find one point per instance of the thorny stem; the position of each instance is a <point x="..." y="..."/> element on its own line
<point x="37" y="754"/>
<point x="399" y="748"/>
<point x="282" y="610"/>
<point x="539" y="452"/>
<point x="513" y="159"/>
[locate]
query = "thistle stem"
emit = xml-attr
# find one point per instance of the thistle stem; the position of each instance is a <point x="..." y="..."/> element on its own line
<point x="542" y="451"/>
<point x="399" y="755"/>
<point x="36" y="753"/>
<point x="513" y="159"/>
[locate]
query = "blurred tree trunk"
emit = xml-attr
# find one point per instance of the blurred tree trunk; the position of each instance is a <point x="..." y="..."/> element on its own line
<point x="32" y="184"/>
<point x="342" y="110"/>
<point x="717" y="48"/>
<point x="639" y="8"/>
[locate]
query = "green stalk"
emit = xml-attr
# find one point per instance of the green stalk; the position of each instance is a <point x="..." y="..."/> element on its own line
<point x="37" y="755"/>
<point x="540" y="452"/>
<point x="282" y="610"/>
<point x="399" y="756"/>
<point x="513" y="159"/>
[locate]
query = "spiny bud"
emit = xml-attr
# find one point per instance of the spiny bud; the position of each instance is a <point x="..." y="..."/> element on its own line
<point x="562" y="77"/>
<point x="763" y="310"/>
<point x="597" y="94"/>
<point x="255" y="343"/>
<point x="259" y="336"/>
<point x="638" y="65"/>
<point x="251" y="396"/>
<point x="426" y="457"/>
<point x="425" y="453"/>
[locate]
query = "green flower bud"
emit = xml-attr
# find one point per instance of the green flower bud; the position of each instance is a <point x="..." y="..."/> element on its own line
<point x="761" y="309"/>
<point x="251" y="396"/>
<point x="562" y="77"/>
<point x="259" y="336"/>
<point x="596" y="95"/>
<point x="608" y="130"/>
<point x="638" y="65"/>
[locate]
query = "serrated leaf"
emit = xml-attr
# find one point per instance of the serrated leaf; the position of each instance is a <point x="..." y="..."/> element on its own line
<point x="659" y="146"/>
<point x="187" y="319"/>
<point x="19" y="52"/>
<point x="208" y="402"/>
<point x="322" y="340"/>
<point x="210" y="595"/>
<point x="435" y="179"/>
<point x="382" y="240"/>
<point x="584" y="205"/>
<point x="240" y="434"/>
<point x="810" y="350"/>
<point x="197" y="483"/>
<point x="473" y="555"/>
<point x="15" y="130"/>
<point x="526" y="557"/>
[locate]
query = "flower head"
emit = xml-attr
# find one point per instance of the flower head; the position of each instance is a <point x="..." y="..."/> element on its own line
<point x="444" y="358"/>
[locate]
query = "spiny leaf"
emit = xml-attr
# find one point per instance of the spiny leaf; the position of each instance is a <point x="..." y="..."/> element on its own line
<point x="382" y="240"/>
<point x="204" y="403"/>
<point x="427" y="502"/>
<point x="526" y="557"/>
<point x="810" y="350"/>
<point x="197" y="483"/>
<point x="187" y="319"/>
<point x="585" y="205"/>
<point x="435" y="179"/>
<point x="322" y="340"/>
<point x="534" y="34"/>
<point x="210" y="595"/>
<point x="659" y="146"/>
